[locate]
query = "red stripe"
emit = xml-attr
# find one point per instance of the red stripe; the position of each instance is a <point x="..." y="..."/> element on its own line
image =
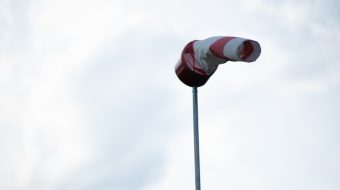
<point x="217" y="47"/>
<point x="190" y="61"/>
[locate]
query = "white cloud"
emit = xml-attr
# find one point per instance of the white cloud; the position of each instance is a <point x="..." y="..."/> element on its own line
<point x="89" y="99"/>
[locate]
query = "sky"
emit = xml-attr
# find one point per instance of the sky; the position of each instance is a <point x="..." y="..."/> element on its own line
<point x="89" y="99"/>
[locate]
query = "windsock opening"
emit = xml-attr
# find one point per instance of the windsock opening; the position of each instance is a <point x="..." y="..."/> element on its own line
<point x="240" y="49"/>
<point x="249" y="51"/>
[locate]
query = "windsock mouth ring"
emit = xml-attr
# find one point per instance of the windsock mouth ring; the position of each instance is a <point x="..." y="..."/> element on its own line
<point x="249" y="51"/>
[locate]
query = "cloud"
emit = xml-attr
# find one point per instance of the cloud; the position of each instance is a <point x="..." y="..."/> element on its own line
<point x="61" y="99"/>
<point x="89" y="99"/>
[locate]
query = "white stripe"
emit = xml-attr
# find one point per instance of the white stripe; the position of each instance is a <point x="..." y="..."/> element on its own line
<point x="206" y="43"/>
<point x="201" y="51"/>
<point x="230" y="49"/>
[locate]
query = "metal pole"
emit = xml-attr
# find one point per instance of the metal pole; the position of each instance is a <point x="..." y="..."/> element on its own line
<point x="196" y="140"/>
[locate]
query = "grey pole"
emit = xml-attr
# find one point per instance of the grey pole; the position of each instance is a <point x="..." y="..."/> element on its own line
<point x="196" y="140"/>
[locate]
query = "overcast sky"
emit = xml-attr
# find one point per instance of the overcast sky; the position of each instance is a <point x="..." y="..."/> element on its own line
<point x="89" y="99"/>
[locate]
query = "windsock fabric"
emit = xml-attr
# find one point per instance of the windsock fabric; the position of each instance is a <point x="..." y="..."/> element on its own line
<point x="200" y="58"/>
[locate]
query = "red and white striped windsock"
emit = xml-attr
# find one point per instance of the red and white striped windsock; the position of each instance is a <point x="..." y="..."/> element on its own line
<point x="200" y="58"/>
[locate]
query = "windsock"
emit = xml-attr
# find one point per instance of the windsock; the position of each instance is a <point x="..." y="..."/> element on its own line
<point x="200" y="58"/>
